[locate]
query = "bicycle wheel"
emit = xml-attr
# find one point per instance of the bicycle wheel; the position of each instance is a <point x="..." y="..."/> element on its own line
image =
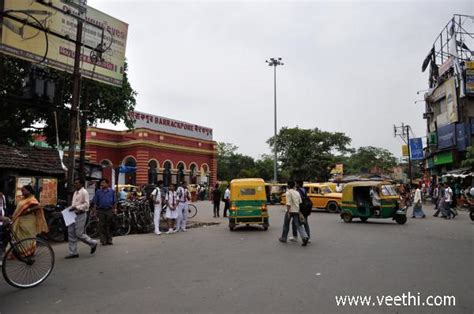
<point x="123" y="227"/>
<point x="56" y="229"/>
<point x="92" y="228"/>
<point x="28" y="263"/>
<point x="192" y="210"/>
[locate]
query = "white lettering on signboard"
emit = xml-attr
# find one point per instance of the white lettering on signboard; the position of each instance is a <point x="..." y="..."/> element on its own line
<point x="157" y="123"/>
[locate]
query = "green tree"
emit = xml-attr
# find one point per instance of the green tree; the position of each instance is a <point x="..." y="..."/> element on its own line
<point x="264" y="167"/>
<point x="368" y="157"/>
<point x="24" y="118"/>
<point x="16" y="120"/>
<point x="307" y="154"/>
<point x="225" y="153"/>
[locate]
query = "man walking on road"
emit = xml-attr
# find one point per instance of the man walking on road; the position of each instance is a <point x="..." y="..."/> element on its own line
<point x="306" y="207"/>
<point x="157" y="203"/>
<point x="80" y="205"/>
<point x="104" y="201"/>
<point x="226" y="201"/>
<point x="293" y="201"/>
<point x="216" y="200"/>
<point x="183" y="198"/>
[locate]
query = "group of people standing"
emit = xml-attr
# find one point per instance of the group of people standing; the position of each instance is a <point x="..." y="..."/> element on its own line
<point x="176" y="200"/>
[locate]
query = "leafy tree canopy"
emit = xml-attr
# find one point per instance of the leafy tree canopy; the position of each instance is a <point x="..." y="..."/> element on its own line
<point x="307" y="154"/>
<point x="22" y="118"/>
<point x="368" y="157"/>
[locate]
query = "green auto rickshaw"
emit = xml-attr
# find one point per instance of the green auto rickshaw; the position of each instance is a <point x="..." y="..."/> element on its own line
<point x="358" y="201"/>
<point x="248" y="203"/>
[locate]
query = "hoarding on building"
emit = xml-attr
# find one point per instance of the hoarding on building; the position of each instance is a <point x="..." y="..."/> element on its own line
<point x="447" y="136"/>
<point x="162" y="124"/>
<point x="451" y="101"/>
<point x="25" y="42"/>
<point x="470" y="77"/>
<point x="416" y="148"/>
<point x="443" y="158"/>
<point x="462" y="140"/>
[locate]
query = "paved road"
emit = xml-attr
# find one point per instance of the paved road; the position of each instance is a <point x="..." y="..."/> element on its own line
<point x="213" y="270"/>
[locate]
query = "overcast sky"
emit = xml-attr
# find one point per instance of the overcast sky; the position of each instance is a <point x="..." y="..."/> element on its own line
<point x="351" y="67"/>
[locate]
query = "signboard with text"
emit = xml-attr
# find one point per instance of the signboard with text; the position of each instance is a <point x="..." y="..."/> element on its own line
<point x="26" y="42"/>
<point x="157" y="123"/>
<point x="416" y="148"/>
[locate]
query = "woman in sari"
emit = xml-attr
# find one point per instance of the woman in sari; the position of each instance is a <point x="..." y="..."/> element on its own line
<point x="28" y="219"/>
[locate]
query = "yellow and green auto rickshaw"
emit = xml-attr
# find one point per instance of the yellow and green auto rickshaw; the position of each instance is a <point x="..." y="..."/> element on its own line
<point x="248" y="203"/>
<point x="357" y="201"/>
<point x="274" y="192"/>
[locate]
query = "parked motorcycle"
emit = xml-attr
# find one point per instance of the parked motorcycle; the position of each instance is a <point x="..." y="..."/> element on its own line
<point x="470" y="201"/>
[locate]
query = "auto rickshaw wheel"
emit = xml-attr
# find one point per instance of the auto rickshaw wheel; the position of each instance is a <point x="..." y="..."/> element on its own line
<point x="332" y="207"/>
<point x="347" y="217"/>
<point x="364" y="219"/>
<point x="265" y="226"/>
<point x="471" y="215"/>
<point x="401" y="219"/>
<point x="231" y="226"/>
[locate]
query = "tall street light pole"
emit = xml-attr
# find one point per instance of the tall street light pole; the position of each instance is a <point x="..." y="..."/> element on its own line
<point x="273" y="62"/>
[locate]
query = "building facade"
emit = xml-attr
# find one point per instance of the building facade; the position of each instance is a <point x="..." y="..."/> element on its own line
<point x="157" y="148"/>
<point x="449" y="101"/>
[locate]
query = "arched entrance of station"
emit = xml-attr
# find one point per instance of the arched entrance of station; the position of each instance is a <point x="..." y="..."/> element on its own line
<point x="167" y="166"/>
<point x="180" y="173"/>
<point x="129" y="177"/>
<point x="193" y="173"/>
<point x="152" y="171"/>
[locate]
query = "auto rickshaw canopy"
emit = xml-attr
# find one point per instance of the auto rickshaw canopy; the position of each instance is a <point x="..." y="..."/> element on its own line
<point x="247" y="189"/>
<point x="387" y="190"/>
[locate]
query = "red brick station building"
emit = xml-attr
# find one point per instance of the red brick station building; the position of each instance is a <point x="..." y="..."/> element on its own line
<point x="157" y="148"/>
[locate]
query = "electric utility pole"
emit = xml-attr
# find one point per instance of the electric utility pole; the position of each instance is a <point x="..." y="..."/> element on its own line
<point x="404" y="132"/>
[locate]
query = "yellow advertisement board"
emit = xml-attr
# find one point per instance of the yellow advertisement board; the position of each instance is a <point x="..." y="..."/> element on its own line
<point x="451" y="100"/>
<point x="100" y="30"/>
<point x="405" y="150"/>
<point x="338" y="169"/>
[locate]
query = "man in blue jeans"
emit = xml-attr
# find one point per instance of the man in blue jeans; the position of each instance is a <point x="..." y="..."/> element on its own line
<point x="293" y="201"/>
<point x="306" y="213"/>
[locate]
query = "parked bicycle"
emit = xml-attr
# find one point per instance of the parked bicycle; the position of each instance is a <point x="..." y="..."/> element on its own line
<point x="27" y="262"/>
<point x="192" y="210"/>
<point x="56" y="225"/>
<point x="132" y="216"/>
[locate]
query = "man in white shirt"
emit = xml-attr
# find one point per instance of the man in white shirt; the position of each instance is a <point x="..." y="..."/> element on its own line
<point x="226" y="201"/>
<point x="157" y="200"/>
<point x="80" y="205"/>
<point x="293" y="201"/>
<point x="448" y="200"/>
<point x="122" y="195"/>
<point x="339" y="188"/>
<point x="171" y="210"/>
<point x="417" y="205"/>
<point x="183" y="198"/>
